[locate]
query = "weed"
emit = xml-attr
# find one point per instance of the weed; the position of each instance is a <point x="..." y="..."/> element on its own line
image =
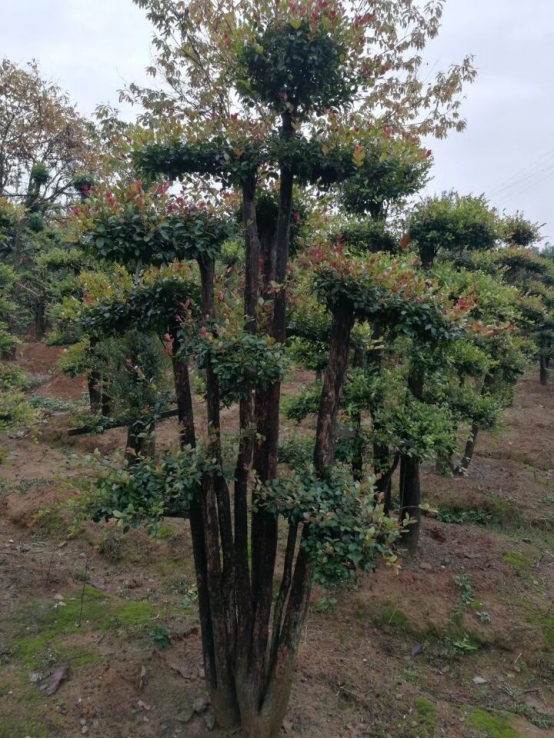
<point x="483" y="616"/>
<point x="161" y="637"/>
<point x="475" y="516"/>
<point x="463" y="582"/>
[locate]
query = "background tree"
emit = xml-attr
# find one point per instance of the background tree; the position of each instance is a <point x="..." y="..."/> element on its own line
<point x="41" y="134"/>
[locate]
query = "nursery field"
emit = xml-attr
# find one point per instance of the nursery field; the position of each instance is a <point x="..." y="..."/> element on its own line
<point x="99" y="630"/>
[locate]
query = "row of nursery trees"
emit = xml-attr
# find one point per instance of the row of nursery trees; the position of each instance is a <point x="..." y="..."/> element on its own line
<point x="259" y="220"/>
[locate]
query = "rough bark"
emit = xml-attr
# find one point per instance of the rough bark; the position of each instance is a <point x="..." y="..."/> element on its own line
<point x="187" y="437"/>
<point x="543" y="371"/>
<point x="264" y="525"/>
<point x="469" y="450"/>
<point x="217" y="518"/>
<point x="333" y="385"/>
<point x="411" y="498"/>
<point x="246" y="692"/>
<point x="410" y="494"/>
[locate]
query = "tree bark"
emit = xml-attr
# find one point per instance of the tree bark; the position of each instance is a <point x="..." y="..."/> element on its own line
<point x="217" y="519"/>
<point x="264" y="524"/>
<point x="333" y="385"/>
<point x="543" y="371"/>
<point x="187" y="437"/>
<point x="411" y="499"/>
<point x="410" y="495"/>
<point x="246" y="692"/>
<point x="469" y="451"/>
<point x="287" y="638"/>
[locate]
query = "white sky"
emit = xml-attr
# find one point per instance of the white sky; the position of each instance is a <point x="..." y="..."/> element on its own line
<point x="91" y="48"/>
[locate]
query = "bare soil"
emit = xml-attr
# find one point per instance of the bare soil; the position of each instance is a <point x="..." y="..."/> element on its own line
<point x="459" y="643"/>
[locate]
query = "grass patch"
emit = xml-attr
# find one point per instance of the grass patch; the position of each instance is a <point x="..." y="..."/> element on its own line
<point x="546" y="625"/>
<point x="491" y="724"/>
<point x="46" y="629"/>
<point x="461" y="515"/>
<point x="53" y="404"/>
<point x="165" y="532"/>
<point x="387" y="614"/>
<point x="521" y="564"/>
<point x="24" y="727"/>
<point x="427" y="716"/>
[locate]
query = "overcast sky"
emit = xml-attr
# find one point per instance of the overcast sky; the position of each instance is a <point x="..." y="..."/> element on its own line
<point x="92" y="48"/>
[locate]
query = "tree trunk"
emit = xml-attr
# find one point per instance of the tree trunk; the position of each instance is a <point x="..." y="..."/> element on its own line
<point x="410" y="494"/>
<point x="469" y="450"/>
<point x="94" y="392"/>
<point x="41" y="323"/>
<point x="381" y="452"/>
<point x="287" y="638"/>
<point x="141" y="441"/>
<point x="333" y="385"/>
<point x="411" y="499"/>
<point x="381" y="465"/>
<point x="217" y="520"/>
<point x="246" y="692"/>
<point x="94" y="379"/>
<point x="384" y="485"/>
<point x="267" y="403"/>
<point x="187" y="437"/>
<point x="544" y="372"/>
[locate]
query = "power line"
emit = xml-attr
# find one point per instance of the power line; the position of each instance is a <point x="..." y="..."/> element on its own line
<point x="529" y="177"/>
<point x="539" y="160"/>
<point x="532" y="184"/>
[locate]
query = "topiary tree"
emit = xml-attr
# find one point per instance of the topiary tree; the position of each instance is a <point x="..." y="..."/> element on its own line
<point x="452" y="224"/>
<point x="290" y="72"/>
<point x="392" y="168"/>
<point x="532" y="272"/>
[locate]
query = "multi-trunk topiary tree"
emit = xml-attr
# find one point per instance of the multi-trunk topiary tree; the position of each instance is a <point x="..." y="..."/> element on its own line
<point x="291" y="73"/>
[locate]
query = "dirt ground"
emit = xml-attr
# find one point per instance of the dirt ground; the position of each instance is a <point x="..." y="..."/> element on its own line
<point x="459" y="643"/>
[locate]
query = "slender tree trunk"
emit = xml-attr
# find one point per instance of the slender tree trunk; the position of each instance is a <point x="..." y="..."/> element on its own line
<point x="284" y="651"/>
<point x="411" y="499"/>
<point x="469" y="450"/>
<point x="264" y="524"/>
<point x="94" y="380"/>
<point x="187" y="437"/>
<point x="488" y="384"/>
<point x="343" y="320"/>
<point x="385" y="484"/>
<point x="358" y="452"/>
<point x="381" y="464"/>
<point x="544" y="372"/>
<point x="381" y="452"/>
<point x="141" y="441"/>
<point x="410" y="495"/>
<point x="41" y="323"/>
<point x="217" y="520"/>
<point x="246" y="692"/>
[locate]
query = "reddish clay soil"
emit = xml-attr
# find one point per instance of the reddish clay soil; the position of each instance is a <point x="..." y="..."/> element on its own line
<point x="459" y="642"/>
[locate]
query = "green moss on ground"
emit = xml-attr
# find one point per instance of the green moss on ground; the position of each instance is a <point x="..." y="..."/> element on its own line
<point x="521" y="564"/>
<point x="47" y="628"/>
<point x="491" y="724"/>
<point x="24" y="727"/>
<point x="427" y="715"/>
<point x="387" y="614"/>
